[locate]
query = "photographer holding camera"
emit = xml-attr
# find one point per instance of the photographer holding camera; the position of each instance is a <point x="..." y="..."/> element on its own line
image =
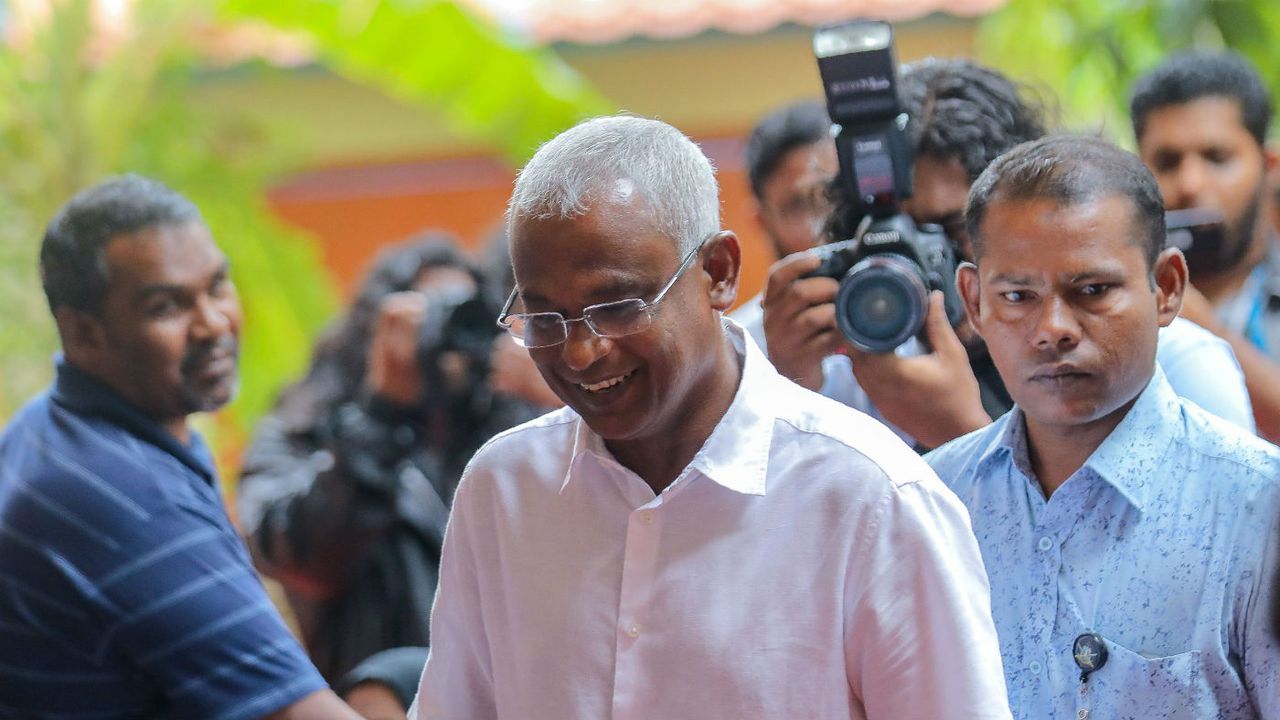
<point x="346" y="489"/>
<point x="961" y="117"/>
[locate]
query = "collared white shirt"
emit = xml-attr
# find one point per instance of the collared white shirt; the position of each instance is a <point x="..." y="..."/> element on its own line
<point x="806" y="564"/>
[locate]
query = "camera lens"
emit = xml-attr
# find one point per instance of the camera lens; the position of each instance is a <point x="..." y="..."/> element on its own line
<point x="881" y="303"/>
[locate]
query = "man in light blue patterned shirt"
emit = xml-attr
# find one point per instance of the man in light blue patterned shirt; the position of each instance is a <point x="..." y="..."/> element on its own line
<point x="1103" y="503"/>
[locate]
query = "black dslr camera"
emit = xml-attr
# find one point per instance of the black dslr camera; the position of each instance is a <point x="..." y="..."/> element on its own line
<point x="888" y="268"/>
<point x="454" y="342"/>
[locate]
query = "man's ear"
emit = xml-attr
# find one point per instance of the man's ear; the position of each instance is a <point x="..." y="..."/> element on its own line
<point x="1170" y="275"/>
<point x="83" y="335"/>
<point x="970" y="289"/>
<point x="722" y="262"/>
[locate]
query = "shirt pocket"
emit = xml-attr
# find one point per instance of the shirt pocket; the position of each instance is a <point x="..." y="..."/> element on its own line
<point x="1131" y="686"/>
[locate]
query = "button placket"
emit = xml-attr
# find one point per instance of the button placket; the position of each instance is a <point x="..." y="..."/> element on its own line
<point x="639" y="573"/>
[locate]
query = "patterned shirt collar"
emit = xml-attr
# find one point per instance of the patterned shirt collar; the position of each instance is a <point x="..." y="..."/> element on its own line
<point x="1138" y="442"/>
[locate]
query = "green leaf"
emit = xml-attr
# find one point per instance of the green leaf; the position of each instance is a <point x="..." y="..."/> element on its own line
<point x="434" y="54"/>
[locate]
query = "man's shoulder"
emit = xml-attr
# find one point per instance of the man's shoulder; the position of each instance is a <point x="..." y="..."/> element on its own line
<point x="549" y="436"/>
<point x="559" y="422"/>
<point x="955" y="460"/>
<point x="90" y="478"/>
<point x="1230" y="458"/>
<point x="835" y="431"/>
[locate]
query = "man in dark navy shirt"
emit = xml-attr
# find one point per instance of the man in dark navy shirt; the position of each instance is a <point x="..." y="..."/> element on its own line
<point x="124" y="590"/>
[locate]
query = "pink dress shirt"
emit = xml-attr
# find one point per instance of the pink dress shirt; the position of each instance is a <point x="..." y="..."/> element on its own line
<point x="805" y="565"/>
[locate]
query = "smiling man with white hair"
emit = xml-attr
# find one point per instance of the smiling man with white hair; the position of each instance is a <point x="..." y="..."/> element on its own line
<point x="694" y="536"/>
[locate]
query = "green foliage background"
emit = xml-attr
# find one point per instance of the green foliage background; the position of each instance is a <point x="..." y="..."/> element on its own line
<point x="71" y="116"/>
<point x="1087" y="53"/>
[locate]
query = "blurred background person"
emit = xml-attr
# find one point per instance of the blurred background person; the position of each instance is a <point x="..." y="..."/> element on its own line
<point x="346" y="487"/>
<point x="1201" y="122"/>
<point x="790" y="161"/>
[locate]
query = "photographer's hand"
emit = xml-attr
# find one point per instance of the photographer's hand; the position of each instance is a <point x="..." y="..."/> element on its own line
<point x="933" y="397"/>
<point x="799" y="319"/>
<point x="393" y="371"/>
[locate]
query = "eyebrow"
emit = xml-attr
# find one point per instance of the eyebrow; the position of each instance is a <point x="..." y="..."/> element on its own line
<point x="1010" y="279"/>
<point x="614" y="289"/>
<point x="1097" y="275"/>
<point x="149" y="291"/>
<point x="1093" y="274"/>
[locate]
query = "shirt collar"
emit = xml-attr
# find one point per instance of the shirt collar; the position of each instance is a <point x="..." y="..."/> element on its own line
<point x="1140" y="440"/>
<point x="736" y="454"/>
<point x="81" y="392"/>
<point x="1126" y="457"/>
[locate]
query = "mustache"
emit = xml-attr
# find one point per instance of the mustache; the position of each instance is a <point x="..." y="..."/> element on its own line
<point x="201" y="353"/>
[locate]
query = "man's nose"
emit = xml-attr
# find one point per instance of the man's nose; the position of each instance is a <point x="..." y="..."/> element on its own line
<point x="1189" y="184"/>
<point x="212" y="318"/>
<point x="1057" y="326"/>
<point x="583" y="347"/>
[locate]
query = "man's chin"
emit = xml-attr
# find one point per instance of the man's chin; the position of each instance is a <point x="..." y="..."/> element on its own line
<point x="213" y="398"/>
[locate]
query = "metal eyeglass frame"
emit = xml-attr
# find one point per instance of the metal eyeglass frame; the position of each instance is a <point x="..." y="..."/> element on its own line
<point x="646" y="307"/>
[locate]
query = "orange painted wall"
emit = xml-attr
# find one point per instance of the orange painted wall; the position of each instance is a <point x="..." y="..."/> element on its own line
<point x="355" y="210"/>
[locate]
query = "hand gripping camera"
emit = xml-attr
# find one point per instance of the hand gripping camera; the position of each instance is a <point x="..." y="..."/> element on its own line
<point x="888" y="269"/>
<point x="454" y="342"/>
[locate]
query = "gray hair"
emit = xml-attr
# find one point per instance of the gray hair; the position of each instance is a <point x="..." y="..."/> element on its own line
<point x="672" y="174"/>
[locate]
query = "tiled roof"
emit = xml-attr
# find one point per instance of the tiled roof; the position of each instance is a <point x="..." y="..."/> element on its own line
<point x="590" y="22"/>
<point x="606" y="21"/>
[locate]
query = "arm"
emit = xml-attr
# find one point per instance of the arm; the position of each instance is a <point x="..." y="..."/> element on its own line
<point x="920" y="639"/>
<point x="312" y="506"/>
<point x="457" y="682"/>
<point x="934" y="397"/>
<point x="1261" y="374"/>
<point x="194" y="620"/>
<point x="319" y="705"/>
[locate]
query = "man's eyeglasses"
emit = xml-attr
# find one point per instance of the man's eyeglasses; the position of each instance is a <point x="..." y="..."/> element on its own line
<point x="612" y="319"/>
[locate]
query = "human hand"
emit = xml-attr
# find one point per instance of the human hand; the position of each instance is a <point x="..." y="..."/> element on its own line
<point x="392" y="363"/>
<point x="799" y="319"/>
<point x="513" y="372"/>
<point x="933" y="397"/>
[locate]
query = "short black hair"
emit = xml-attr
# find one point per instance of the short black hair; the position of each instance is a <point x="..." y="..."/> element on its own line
<point x="1069" y="170"/>
<point x="1188" y="76"/>
<point x="959" y="109"/>
<point x="73" y="266"/>
<point x="794" y="126"/>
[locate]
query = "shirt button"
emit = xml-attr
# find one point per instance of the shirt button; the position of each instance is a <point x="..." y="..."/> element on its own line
<point x="646" y="517"/>
<point x="633" y="630"/>
<point x="1045" y="543"/>
<point x="1082" y="714"/>
<point x="1035" y="667"/>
